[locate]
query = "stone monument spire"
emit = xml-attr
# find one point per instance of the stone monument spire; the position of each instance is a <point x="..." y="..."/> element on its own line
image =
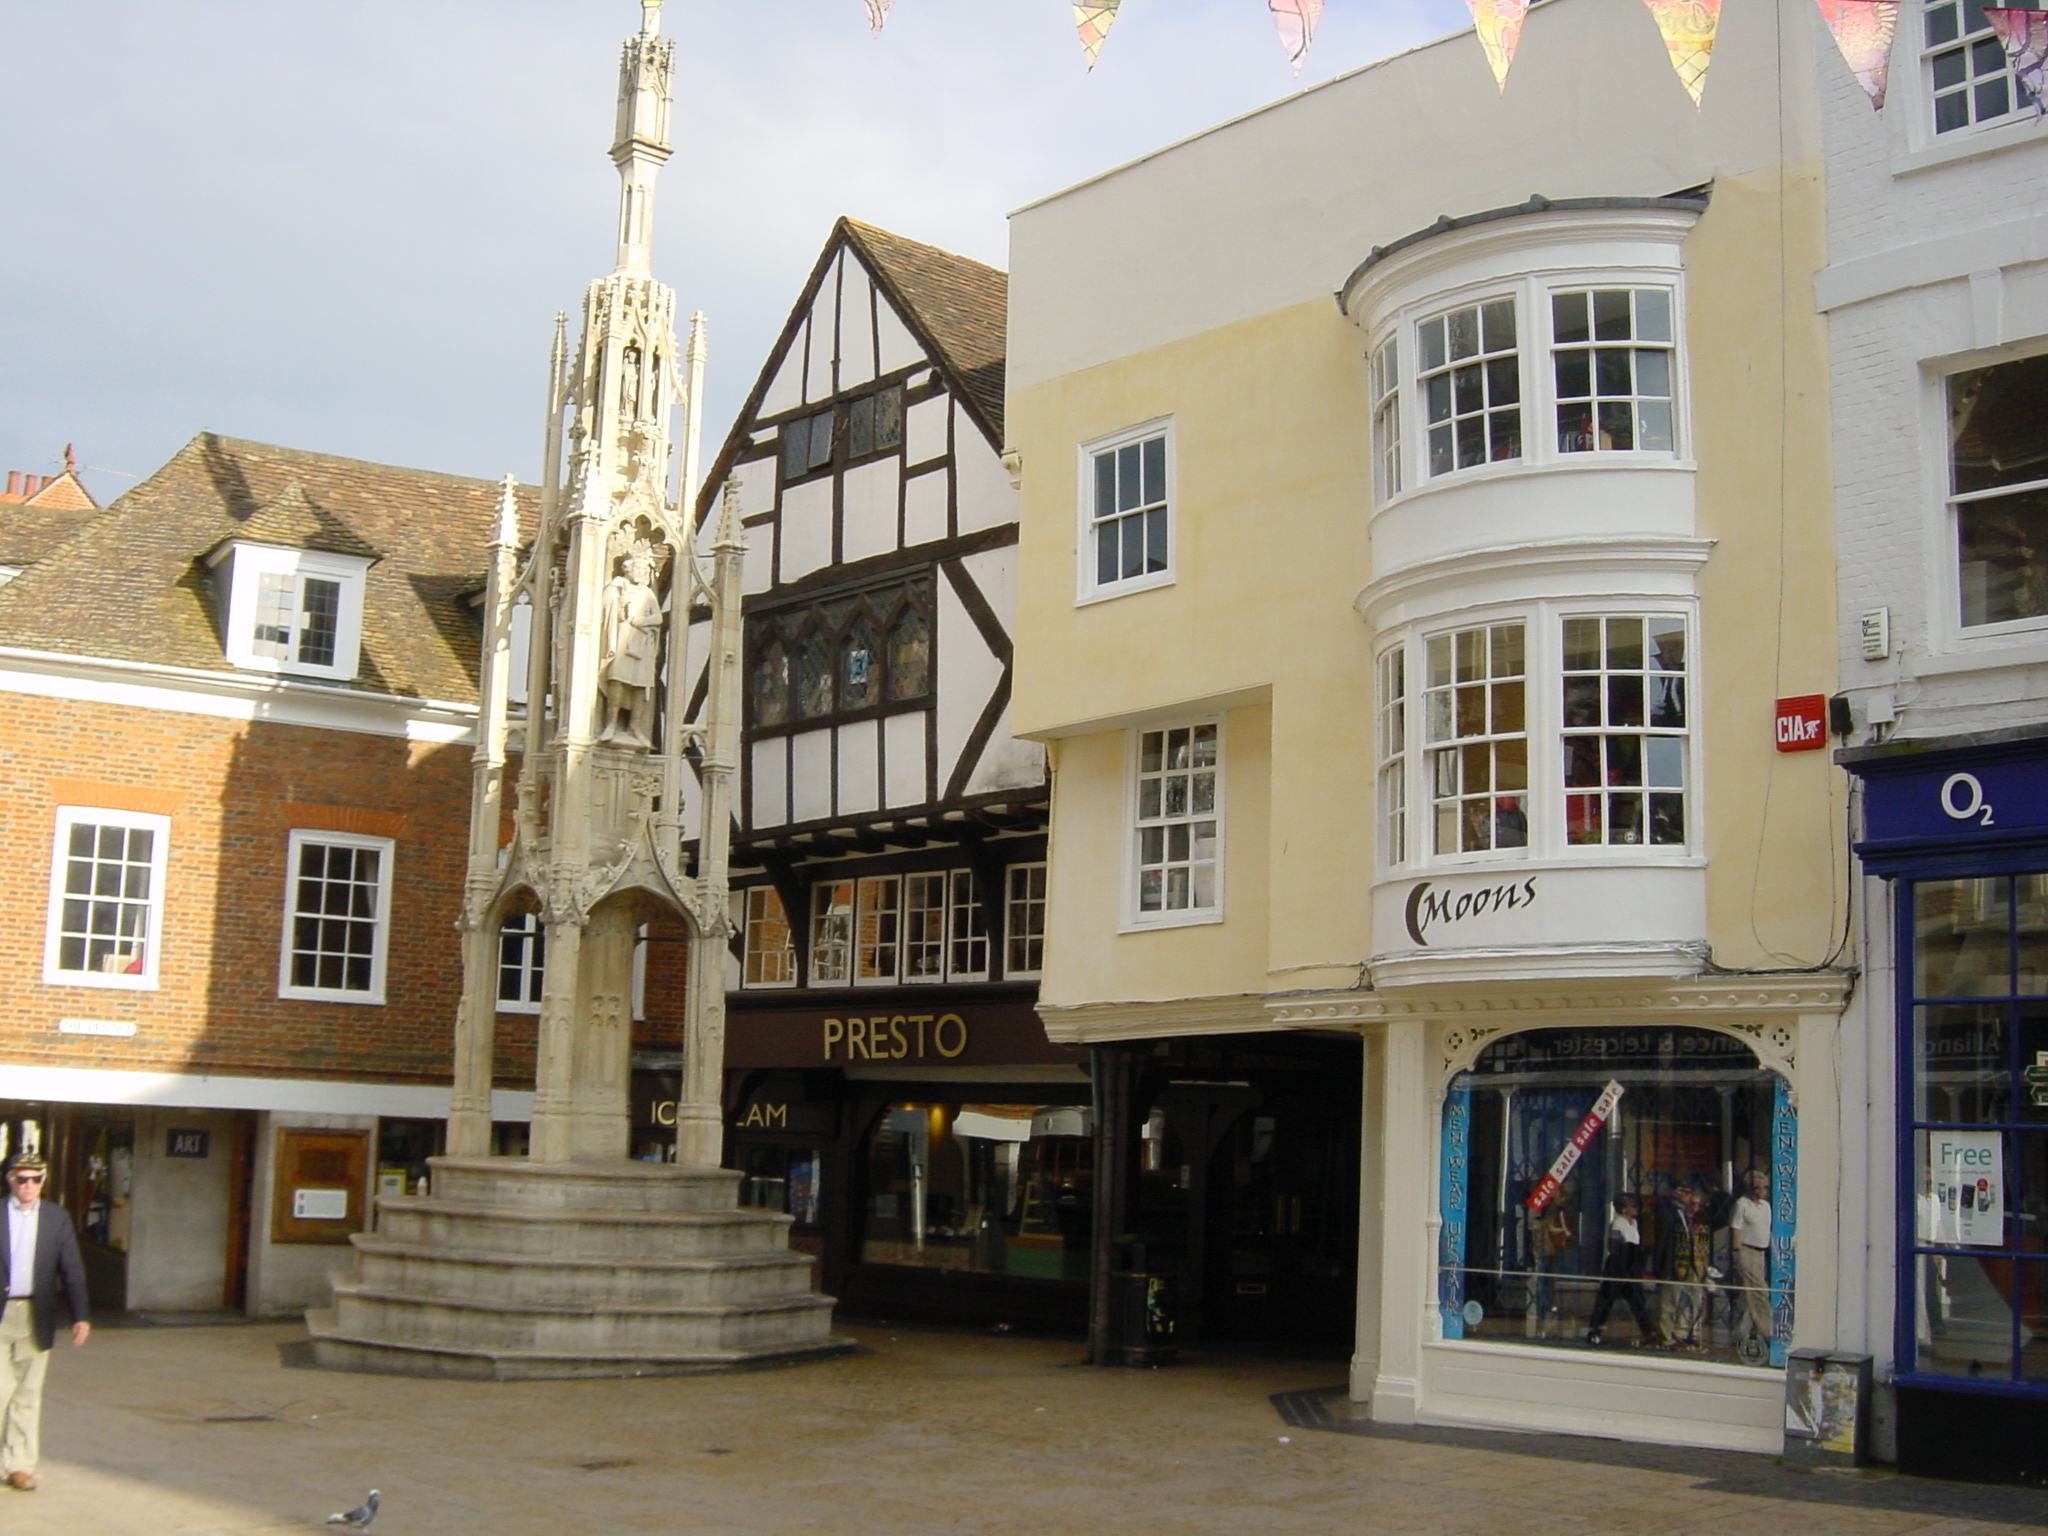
<point x="603" y="594"/>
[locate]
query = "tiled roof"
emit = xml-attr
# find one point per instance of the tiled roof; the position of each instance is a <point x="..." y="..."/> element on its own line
<point x="961" y="305"/>
<point x="132" y="584"/>
<point x="27" y="533"/>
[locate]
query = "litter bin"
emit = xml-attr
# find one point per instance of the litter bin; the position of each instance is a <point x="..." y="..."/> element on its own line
<point x="1144" y="1315"/>
<point x="1827" y="1408"/>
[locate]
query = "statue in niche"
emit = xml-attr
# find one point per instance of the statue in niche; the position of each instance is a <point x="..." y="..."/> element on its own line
<point x="630" y="646"/>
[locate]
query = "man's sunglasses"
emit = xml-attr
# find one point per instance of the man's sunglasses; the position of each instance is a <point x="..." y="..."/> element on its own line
<point x="24" y="1178"/>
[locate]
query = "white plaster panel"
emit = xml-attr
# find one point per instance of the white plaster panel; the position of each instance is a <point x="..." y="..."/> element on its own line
<point x="987" y="499"/>
<point x="856" y="328"/>
<point x="903" y="758"/>
<point x="806" y="525"/>
<point x="768" y="782"/>
<point x="785" y="391"/>
<point x="810" y="776"/>
<point x="818" y="381"/>
<point x="868" y="508"/>
<point x="757" y="486"/>
<point x="177" y="1239"/>
<point x="924" y="507"/>
<point x="924" y="429"/>
<point x="1005" y="763"/>
<point x="899" y="348"/>
<point x="860" y="787"/>
<point x="1520" y="507"/>
<point x="1536" y="917"/>
<point x="757" y="566"/>
<point x="968" y="674"/>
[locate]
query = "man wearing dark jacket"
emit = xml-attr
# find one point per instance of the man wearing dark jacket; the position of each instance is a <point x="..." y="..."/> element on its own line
<point x="41" y="1254"/>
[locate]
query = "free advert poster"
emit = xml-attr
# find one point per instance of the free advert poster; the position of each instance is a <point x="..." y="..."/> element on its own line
<point x="1964" y="1199"/>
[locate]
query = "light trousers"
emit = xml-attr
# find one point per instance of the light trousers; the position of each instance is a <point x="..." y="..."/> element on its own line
<point x="1752" y="1269"/>
<point x="22" y="1366"/>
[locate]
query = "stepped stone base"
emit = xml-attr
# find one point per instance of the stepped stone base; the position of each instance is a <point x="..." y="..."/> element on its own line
<point x="515" y="1270"/>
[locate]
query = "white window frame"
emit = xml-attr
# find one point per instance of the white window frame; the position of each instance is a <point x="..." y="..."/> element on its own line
<point x="1086" y="588"/>
<point x="1945" y="567"/>
<point x="826" y="910"/>
<point x="1384" y="374"/>
<point x="1536" y="350"/>
<point x="1393" y="702"/>
<point x="385" y="847"/>
<point x="1015" y="904"/>
<point x="1965" y="43"/>
<point x="248" y="564"/>
<point x="1516" y="298"/>
<point x="966" y="929"/>
<point x="1135" y="919"/>
<point x="1543" y="718"/>
<point x="531" y="937"/>
<point x="69" y="817"/>
<point x="753" y="916"/>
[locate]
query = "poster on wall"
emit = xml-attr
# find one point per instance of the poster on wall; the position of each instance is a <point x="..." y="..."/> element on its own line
<point x="1964" y="1203"/>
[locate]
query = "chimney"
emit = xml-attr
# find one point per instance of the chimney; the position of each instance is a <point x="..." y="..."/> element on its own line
<point x="14" y="484"/>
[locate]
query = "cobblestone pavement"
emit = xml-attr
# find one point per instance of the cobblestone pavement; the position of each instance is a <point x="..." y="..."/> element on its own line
<point x="209" y="1431"/>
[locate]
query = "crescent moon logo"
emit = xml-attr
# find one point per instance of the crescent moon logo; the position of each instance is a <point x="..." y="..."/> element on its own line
<point x="1414" y="912"/>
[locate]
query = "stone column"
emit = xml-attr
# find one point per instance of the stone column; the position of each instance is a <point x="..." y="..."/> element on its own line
<point x="1408" y="1104"/>
<point x="476" y="1022"/>
<point x="1365" y="1355"/>
<point x="554" y="1074"/>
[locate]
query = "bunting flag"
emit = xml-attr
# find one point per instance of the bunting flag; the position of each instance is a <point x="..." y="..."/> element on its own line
<point x="1093" y="19"/>
<point x="2025" y="35"/>
<point x="1296" y="21"/>
<point x="1499" y="25"/>
<point x="1688" y="29"/>
<point x="1862" y="31"/>
<point x="878" y="12"/>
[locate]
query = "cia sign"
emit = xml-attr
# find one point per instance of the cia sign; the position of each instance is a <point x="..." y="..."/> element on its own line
<point x="1802" y="723"/>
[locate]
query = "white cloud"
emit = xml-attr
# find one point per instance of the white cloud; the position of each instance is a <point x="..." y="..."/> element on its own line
<point x="347" y="227"/>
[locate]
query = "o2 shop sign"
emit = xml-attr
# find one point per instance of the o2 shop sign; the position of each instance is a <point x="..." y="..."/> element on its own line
<point x="1986" y="800"/>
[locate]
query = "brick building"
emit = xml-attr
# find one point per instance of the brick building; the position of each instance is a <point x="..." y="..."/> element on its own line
<point x="238" y="709"/>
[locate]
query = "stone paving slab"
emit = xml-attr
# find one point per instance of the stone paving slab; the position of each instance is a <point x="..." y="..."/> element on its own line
<point x="212" y="1432"/>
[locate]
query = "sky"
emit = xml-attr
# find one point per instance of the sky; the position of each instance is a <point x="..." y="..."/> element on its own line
<point x="347" y="226"/>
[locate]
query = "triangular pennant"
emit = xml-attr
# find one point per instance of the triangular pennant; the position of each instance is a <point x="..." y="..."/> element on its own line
<point x="1296" y="21"/>
<point x="1862" y="31"/>
<point x="1499" y="25"/>
<point x="2025" y="35"/>
<point x="878" y="12"/>
<point x="1093" y="19"/>
<point x="1688" y="30"/>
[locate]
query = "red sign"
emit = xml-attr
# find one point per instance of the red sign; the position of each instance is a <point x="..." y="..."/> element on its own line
<point x="1547" y="1186"/>
<point x="1803" y="723"/>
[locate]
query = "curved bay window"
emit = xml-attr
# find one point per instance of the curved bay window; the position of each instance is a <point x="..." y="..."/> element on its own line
<point x="1620" y="1189"/>
<point x="1000" y="1189"/>
<point x="846" y="656"/>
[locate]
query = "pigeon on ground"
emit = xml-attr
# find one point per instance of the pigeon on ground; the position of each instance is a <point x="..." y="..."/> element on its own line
<point x="357" y="1519"/>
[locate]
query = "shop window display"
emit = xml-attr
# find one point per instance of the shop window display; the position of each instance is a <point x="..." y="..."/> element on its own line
<point x="1620" y="1189"/>
<point x="779" y="1177"/>
<point x="1003" y="1189"/>
<point x="1974" y="1196"/>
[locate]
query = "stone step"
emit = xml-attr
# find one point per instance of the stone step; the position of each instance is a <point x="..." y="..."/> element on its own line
<point x="393" y="1317"/>
<point x="336" y="1351"/>
<point x="619" y="1186"/>
<point x="612" y="1235"/>
<point x="383" y="1264"/>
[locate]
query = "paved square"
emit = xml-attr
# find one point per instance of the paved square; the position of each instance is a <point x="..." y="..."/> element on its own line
<point x="205" y="1432"/>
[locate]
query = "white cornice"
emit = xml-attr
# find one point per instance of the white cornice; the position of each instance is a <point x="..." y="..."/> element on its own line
<point x="198" y="1090"/>
<point x="1580" y="1001"/>
<point x="1602" y="556"/>
<point x="231" y="696"/>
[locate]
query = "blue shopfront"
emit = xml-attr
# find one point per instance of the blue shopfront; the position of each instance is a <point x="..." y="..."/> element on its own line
<point x="1958" y="830"/>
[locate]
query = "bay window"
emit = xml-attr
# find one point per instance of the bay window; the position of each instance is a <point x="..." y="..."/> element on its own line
<point x="1470" y="378"/>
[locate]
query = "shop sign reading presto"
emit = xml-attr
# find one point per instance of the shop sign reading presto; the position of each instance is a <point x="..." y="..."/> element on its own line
<point x="895" y="1037"/>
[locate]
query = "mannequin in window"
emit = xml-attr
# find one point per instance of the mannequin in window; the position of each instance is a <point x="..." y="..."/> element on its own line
<point x="631" y="649"/>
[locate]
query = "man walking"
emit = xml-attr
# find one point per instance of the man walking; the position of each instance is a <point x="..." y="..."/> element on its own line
<point x="42" y="1252"/>
<point x="1750" y="1223"/>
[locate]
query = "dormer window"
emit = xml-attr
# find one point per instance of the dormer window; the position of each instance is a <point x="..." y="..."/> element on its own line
<point x="296" y="611"/>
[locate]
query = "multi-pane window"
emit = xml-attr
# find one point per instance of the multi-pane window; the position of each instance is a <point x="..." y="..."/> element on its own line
<point x="1998" y="489"/>
<point x="1393" y="755"/>
<point x="1469" y="375"/>
<point x="1178" y="818"/>
<point x="1969" y="74"/>
<point x="966" y="931"/>
<point x="293" y="610"/>
<point x="337" y="891"/>
<point x="1128" y="514"/>
<point x="878" y="929"/>
<point x="522" y="963"/>
<point x="1476" y="738"/>
<point x="861" y="651"/>
<point x="873" y="423"/>
<point x="298" y="618"/>
<point x="106" y="898"/>
<point x="1611" y="361"/>
<point x="1624" y="716"/>
<point x="925" y="915"/>
<point x="769" y="948"/>
<point x="1386" y="420"/>
<point x="1024" y="921"/>
<point x="831" y="933"/>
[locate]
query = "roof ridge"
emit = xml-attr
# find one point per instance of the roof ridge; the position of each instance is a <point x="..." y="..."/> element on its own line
<point x="309" y="456"/>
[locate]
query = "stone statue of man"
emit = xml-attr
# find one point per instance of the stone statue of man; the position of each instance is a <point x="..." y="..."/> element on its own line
<point x="631" y="648"/>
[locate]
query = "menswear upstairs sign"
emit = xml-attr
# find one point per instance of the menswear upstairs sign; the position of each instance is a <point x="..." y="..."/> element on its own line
<point x="1862" y="30"/>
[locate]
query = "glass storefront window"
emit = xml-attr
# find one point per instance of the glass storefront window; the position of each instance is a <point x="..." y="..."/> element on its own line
<point x="1620" y="1189"/>
<point x="1975" y="1181"/>
<point x="779" y="1177"/>
<point x="1002" y="1189"/>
